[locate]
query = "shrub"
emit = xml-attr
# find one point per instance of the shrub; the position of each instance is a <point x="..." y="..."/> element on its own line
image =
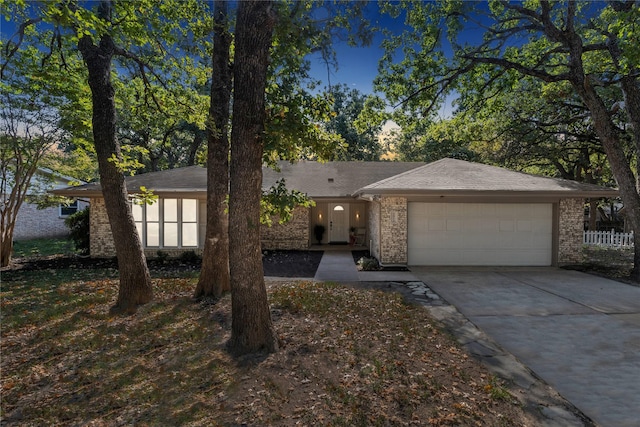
<point x="162" y="256"/>
<point x="78" y="224"/>
<point x="189" y="256"/>
<point x="368" y="264"/>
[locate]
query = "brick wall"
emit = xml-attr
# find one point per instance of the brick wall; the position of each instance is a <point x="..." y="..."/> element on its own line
<point x="571" y="226"/>
<point x="101" y="244"/>
<point x="393" y="230"/>
<point x="293" y="235"/>
<point x="33" y="223"/>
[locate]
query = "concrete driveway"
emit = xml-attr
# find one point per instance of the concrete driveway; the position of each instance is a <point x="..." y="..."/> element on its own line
<point x="579" y="333"/>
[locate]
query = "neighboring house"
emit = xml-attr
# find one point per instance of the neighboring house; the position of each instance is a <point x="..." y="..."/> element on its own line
<point x="449" y="212"/>
<point x="33" y="223"/>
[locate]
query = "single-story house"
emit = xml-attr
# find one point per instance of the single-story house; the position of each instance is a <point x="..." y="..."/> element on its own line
<point x="449" y="212"/>
<point x="34" y="223"/>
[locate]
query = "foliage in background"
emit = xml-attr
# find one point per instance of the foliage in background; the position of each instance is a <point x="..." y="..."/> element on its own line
<point x="295" y="126"/>
<point x="29" y="128"/>
<point x="361" y="143"/>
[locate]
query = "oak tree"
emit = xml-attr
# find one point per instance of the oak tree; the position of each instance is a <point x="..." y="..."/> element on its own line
<point x="252" y="329"/>
<point x="214" y="275"/>
<point x="133" y="36"/>
<point x="135" y="281"/>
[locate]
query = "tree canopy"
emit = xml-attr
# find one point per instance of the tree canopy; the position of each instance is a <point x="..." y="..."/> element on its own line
<point x="586" y="51"/>
<point x="30" y="126"/>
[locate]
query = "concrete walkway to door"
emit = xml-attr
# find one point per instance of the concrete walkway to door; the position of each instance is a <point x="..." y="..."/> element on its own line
<point x="579" y="333"/>
<point x="339" y="266"/>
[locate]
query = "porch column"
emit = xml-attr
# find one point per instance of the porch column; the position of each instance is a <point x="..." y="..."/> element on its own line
<point x="393" y="230"/>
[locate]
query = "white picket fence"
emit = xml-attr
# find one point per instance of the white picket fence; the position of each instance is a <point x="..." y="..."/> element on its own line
<point x="608" y="238"/>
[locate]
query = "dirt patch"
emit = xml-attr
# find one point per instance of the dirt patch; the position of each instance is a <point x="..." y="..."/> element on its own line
<point x="347" y="357"/>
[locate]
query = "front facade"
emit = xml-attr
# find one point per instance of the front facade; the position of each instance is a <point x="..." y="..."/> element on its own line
<point x="448" y="212"/>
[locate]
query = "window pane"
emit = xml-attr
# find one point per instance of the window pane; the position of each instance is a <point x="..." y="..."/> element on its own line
<point x="136" y="209"/>
<point x="139" y="228"/>
<point x="153" y="212"/>
<point x="189" y="210"/>
<point x="190" y="234"/>
<point x="69" y="210"/>
<point x="170" y="210"/>
<point x="153" y="234"/>
<point x="171" y="234"/>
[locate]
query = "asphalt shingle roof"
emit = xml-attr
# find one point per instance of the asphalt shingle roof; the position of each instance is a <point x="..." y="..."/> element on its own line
<point x="346" y="179"/>
<point x="187" y="179"/>
<point x="459" y="176"/>
<point x="333" y="179"/>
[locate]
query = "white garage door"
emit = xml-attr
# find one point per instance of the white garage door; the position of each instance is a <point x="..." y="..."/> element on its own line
<point x="480" y="234"/>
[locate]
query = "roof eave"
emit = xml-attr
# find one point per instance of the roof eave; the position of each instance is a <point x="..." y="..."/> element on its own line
<point x="495" y="193"/>
<point x="79" y="192"/>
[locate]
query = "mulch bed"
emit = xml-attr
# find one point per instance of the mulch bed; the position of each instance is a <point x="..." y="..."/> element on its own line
<point x="274" y="263"/>
<point x="291" y="263"/>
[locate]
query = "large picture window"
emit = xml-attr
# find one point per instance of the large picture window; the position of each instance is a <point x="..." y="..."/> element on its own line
<point x="167" y="223"/>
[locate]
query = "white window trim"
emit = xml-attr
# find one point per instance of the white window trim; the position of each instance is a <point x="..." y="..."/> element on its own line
<point x="161" y="224"/>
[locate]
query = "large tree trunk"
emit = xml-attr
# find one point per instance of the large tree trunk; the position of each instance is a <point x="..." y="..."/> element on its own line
<point x="252" y="330"/>
<point x="631" y="91"/>
<point x="11" y="203"/>
<point x="135" y="282"/>
<point x="214" y="275"/>
<point x="621" y="170"/>
<point x="6" y="246"/>
<point x="610" y="139"/>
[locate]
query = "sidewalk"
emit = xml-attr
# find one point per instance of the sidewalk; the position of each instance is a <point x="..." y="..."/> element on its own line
<point x="339" y="266"/>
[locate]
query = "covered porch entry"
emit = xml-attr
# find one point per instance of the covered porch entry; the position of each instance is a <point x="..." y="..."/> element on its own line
<point x="338" y="222"/>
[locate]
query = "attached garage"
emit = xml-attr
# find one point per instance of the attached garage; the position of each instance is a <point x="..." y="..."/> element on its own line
<point x="452" y="212"/>
<point x="480" y="234"/>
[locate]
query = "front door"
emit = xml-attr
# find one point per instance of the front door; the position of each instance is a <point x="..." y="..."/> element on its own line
<point x="338" y="223"/>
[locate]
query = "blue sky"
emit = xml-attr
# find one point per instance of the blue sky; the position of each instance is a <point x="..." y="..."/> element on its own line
<point x="357" y="66"/>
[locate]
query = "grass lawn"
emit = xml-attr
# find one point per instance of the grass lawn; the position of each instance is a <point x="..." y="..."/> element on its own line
<point x="42" y="247"/>
<point x="348" y="357"/>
